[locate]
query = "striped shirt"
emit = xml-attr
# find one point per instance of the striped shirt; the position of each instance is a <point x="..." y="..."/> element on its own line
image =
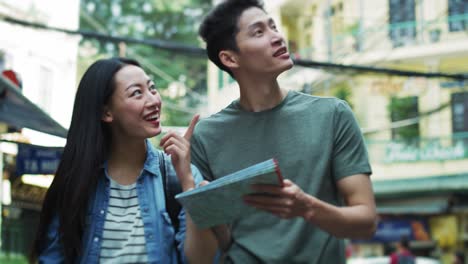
<point x="123" y="238"/>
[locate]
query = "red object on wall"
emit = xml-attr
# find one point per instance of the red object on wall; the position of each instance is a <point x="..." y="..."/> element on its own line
<point x="13" y="77"/>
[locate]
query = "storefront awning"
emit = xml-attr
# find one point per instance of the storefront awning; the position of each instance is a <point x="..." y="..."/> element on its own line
<point x="17" y="110"/>
<point x="425" y="186"/>
<point x="424" y="205"/>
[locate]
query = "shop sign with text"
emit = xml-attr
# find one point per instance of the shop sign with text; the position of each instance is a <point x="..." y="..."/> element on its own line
<point x="37" y="159"/>
<point x="392" y="230"/>
<point x="398" y="152"/>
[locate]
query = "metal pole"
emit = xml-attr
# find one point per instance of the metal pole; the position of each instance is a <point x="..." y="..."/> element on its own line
<point x="422" y="22"/>
<point x="360" y="37"/>
<point x="329" y="38"/>
<point x="1" y="198"/>
<point x="328" y="31"/>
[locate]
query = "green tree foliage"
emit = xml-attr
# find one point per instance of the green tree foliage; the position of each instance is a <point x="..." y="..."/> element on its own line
<point x="167" y="20"/>
<point x="343" y="91"/>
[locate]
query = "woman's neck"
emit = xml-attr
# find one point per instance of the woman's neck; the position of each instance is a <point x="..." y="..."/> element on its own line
<point x="126" y="159"/>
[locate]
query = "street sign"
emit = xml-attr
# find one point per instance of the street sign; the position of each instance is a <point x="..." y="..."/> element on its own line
<point x="33" y="159"/>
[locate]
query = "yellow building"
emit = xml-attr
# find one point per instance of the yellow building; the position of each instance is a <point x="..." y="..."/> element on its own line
<point x="416" y="127"/>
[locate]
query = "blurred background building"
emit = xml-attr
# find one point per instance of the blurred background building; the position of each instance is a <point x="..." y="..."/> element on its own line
<point x="37" y="89"/>
<point x="416" y="128"/>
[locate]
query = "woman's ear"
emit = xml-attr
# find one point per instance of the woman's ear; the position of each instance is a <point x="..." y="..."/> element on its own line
<point x="106" y="115"/>
<point x="228" y="58"/>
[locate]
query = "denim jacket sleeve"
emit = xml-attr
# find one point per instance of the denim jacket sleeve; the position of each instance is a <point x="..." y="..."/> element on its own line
<point x="180" y="236"/>
<point x="53" y="250"/>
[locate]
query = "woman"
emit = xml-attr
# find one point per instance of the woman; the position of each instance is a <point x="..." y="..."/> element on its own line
<point x="106" y="202"/>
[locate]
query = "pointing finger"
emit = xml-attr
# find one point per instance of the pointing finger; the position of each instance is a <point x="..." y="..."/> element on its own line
<point x="189" y="132"/>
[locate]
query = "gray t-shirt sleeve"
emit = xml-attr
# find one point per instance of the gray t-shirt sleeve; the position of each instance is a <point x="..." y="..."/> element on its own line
<point x="199" y="158"/>
<point x="349" y="155"/>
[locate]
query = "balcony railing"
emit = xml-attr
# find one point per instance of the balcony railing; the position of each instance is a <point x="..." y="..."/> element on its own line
<point x="450" y="148"/>
<point x="382" y="36"/>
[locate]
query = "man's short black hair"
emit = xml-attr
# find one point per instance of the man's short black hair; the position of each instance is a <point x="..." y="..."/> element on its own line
<point x="404" y="241"/>
<point x="220" y="27"/>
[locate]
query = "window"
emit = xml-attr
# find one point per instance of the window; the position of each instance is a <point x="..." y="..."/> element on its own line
<point x="402" y="17"/>
<point x="402" y="109"/>
<point x="337" y="18"/>
<point x="458" y="15"/>
<point x="460" y="112"/>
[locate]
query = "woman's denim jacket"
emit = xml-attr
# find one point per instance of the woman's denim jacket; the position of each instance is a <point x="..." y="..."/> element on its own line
<point x="159" y="233"/>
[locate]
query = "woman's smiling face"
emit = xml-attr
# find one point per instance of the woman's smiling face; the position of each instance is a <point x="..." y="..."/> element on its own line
<point x="135" y="106"/>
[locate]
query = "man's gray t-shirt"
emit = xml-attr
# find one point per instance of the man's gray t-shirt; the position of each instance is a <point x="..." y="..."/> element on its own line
<point x="316" y="141"/>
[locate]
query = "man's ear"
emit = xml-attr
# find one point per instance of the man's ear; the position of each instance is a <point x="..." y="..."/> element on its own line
<point x="228" y="58"/>
<point x="106" y="115"/>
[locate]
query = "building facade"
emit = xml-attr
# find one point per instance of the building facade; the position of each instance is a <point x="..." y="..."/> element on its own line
<point x="416" y="127"/>
<point x="44" y="62"/>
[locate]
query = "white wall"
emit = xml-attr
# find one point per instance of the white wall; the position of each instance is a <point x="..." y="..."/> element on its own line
<point x="32" y="52"/>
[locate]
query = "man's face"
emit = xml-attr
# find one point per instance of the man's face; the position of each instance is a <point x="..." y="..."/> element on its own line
<point x="262" y="49"/>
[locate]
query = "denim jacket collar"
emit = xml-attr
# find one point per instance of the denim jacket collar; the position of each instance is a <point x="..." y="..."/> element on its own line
<point x="152" y="158"/>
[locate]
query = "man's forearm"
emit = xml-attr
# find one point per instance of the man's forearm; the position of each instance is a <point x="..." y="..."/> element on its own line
<point x="356" y="221"/>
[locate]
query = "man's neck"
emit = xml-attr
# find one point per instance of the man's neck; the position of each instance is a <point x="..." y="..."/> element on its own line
<point x="257" y="95"/>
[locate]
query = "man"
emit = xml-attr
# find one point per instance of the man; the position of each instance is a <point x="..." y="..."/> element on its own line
<point x="327" y="193"/>
<point x="402" y="254"/>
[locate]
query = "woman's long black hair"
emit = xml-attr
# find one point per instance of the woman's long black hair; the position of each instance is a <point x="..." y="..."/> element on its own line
<point x="86" y="149"/>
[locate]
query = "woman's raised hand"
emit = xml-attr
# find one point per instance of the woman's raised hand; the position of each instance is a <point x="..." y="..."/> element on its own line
<point x="178" y="147"/>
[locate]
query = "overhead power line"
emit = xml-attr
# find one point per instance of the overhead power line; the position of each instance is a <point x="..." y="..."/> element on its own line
<point x="143" y="60"/>
<point x="407" y="122"/>
<point x="370" y="69"/>
<point x="156" y="43"/>
<point x="199" y="52"/>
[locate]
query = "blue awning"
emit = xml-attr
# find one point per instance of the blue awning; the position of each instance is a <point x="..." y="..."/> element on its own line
<point x="18" y="111"/>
